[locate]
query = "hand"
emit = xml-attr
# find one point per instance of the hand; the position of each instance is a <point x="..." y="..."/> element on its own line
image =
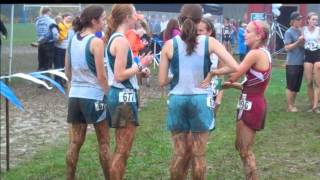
<point x="206" y="82"/>
<point x="226" y="85"/>
<point x="145" y="72"/>
<point x="301" y="39"/>
<point x="146" y="60"/>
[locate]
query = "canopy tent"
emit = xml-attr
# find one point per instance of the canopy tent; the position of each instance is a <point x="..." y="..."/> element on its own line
<point x="214" y="9"/>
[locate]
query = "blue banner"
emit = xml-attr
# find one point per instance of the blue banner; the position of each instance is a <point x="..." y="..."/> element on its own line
<point x="53" y="82"/>
<point x="9" y="94"/>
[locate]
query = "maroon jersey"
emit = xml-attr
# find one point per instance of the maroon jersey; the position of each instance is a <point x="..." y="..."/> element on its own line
<point x="252" y="106"/>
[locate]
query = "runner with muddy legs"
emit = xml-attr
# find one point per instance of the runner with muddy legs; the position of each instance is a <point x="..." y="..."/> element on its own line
<point x="87" y="88"/>
<point x="122" y="96"/>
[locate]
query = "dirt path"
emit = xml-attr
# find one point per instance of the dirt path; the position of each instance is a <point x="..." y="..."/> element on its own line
<point x="43" y="123"/>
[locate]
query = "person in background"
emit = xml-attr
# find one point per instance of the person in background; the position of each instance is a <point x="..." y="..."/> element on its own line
<point x="84" y="67"/>
<point x="226" y="35"/>
<point x="3" y="35"/>
<point x="172" y="30"/>
<point x="134" y="37"/>
<point x="187" y="55"/>
<point x="293" y="40"/>
<point x="48" y="34"/>
<point x="122" y="68"/>
<point x="311" y="35"/>
<point x="242" y="47"/>
<point x="61" y="44"/>
<point x="205" y="27"/>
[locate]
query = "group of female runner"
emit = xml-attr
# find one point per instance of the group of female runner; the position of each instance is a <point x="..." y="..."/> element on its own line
<point x="103" y="89"/>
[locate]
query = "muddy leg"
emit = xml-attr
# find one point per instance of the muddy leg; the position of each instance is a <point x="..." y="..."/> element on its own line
<point x="199" y="145"/>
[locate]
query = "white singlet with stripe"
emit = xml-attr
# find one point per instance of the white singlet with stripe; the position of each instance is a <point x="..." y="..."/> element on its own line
<point x="84" y="84"/>
<point x="188" y="70"/>
<point x="130" y="83"/>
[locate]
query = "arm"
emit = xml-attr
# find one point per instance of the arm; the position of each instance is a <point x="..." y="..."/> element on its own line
<point x="55" y="33"/>
<point x="231" y="64"/>
<point x="289" y="45"/>
<point x="235" y="85"/>
<point x="120" y="49"/>
<point x="67" y="68"/>
<point x="247" y="63"/>
<point x="164" y="63"/>
<point x="97" y="50"/>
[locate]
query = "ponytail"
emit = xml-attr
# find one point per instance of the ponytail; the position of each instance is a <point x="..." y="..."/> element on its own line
<point x="111" y="28"/>
<point x="189" y="34"/>
<point x="77" y="25"/>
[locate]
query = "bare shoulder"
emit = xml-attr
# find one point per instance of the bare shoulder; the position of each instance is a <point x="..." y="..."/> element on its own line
<point x="120" y="41"/>
<point x="97" y="41"/>
<point x="167" y="48"/>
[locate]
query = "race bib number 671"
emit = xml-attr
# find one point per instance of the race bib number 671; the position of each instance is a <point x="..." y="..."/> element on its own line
<point x="127" y="96"/>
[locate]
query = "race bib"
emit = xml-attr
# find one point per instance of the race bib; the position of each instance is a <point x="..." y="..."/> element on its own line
<point x="99" y="105"/>
<point x="245" y="105"/>
<point x="127" y="95"/>
<point x="210" y="102"/>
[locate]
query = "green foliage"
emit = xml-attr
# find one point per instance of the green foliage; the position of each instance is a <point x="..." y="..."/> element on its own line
<point x="287" y="148"/>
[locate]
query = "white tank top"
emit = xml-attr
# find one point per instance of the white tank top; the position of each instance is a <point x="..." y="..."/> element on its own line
<point x="189" y="70"/>
<point x="312" y="39"/>
<point x="130" y="83"/>
<point x="84" y="83"/>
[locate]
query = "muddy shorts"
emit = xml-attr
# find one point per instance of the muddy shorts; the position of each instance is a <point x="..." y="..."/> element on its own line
<point x="122" y="107"/>
<point x="189" y="112"/>
<point x="88" y="111"/>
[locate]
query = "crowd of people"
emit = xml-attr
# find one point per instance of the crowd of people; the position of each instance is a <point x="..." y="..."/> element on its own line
<point x="105" y="58"/>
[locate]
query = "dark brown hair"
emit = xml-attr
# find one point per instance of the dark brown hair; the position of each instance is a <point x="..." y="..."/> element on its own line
<point x="172" y="24"/>
<point x="119" y="12"/>
<point x="190" y="16"/>
<point x="89" y="13"/>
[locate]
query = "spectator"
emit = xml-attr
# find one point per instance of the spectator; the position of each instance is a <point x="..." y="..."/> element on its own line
<point x="134" y="37"/>
<point x="62" y="43"/>
<point x="242" y="47"/>
<point x="294" y="42"/>
<point x="311" y="34"/>
<point x="3" y="34"/>
<point x="226" y="32"/>
<point x="172" y="30"/>
<point x="48" y="34"/>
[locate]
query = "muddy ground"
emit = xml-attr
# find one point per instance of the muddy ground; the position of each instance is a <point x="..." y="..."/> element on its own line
<point x="43" y="123"/>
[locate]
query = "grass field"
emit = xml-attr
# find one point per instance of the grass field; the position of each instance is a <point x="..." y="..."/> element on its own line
<point x="23" y="34"/>
<point x="288" y="148"/>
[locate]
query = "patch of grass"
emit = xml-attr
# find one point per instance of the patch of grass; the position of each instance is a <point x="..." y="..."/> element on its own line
<point x="23" y="34"/>
<point x="287" y="148"/>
